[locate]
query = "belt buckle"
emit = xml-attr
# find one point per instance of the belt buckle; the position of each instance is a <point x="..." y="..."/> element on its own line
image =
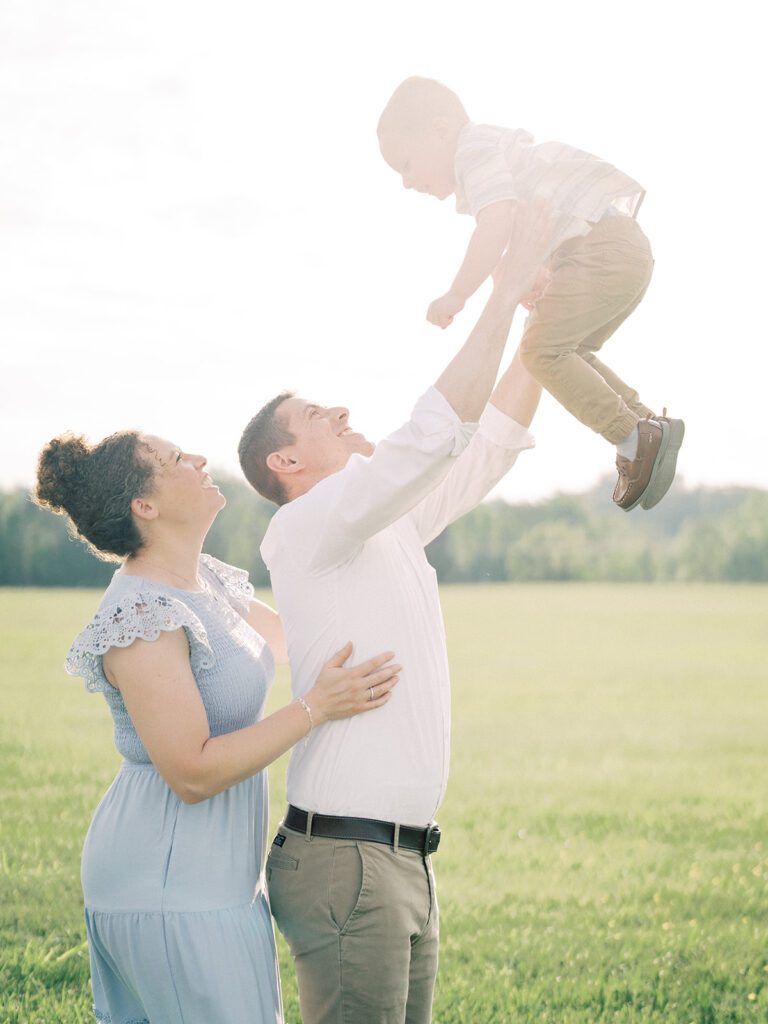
<point x="431" y="839"/>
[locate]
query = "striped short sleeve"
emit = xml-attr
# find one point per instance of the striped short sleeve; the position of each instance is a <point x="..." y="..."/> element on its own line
<point x="495" y="164"/>
<point x="486" y="167"/>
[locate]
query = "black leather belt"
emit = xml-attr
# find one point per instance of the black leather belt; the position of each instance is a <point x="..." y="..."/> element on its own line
<point x="423" y="840"/>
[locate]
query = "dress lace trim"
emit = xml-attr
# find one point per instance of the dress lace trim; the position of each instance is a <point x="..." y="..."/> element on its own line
<point x="136" y="616"/>
<point x="106" y="1018"/>
<point x="238" y="587"/>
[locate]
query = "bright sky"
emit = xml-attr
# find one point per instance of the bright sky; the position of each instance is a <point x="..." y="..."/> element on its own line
<point x="194" y="214"/>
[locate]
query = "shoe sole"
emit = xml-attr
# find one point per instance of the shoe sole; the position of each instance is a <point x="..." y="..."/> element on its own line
<point x="666" y="465"/>
<point x="660" y="455"/>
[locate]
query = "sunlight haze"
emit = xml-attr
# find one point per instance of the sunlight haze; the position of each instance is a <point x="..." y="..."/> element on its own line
<point x="195" y="215"/>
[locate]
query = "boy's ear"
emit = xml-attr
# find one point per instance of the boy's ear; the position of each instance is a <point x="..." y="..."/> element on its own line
<point x="441" y="127"/>
<point x="279" y="462"/>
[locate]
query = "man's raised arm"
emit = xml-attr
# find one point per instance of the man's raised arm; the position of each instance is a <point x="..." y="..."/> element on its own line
<point x="490" y="455"/>
<point x="371" y="493"/>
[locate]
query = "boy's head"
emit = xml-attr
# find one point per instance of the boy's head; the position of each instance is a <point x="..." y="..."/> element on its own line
<point x="418" y="130"/>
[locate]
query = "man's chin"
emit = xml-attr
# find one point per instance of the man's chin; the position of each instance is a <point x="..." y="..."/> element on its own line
<point x="366" y="447"/>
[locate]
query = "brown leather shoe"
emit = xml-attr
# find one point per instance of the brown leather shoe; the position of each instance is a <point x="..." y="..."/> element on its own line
<point x="636" y="474"/>
<point x="664" y="474"/>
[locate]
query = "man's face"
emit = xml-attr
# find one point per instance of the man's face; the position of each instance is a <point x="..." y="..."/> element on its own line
<point x="424" y="161"/>
<point x="324" y="439"/>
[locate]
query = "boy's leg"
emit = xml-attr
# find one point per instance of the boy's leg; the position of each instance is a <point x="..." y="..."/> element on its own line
<point x="596" y="281"/>
<point x="594" y="343"/>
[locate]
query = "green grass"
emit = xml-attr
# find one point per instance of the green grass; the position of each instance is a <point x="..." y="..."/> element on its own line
<point x="605" y="851"/>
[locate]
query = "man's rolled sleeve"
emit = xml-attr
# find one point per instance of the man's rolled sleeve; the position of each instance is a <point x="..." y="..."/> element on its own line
<point x="325" y="526"/>
<point x="434" y="416"/>
<point x="504" y="432"/>
<point x="493" y="452"/>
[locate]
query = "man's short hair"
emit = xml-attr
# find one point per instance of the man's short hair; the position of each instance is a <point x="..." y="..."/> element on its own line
<point x="266" y="433"/>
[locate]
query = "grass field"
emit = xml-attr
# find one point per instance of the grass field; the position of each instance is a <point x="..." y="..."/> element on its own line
<point x="605" y="851"/>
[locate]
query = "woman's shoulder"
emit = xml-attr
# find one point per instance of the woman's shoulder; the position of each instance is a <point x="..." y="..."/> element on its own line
<point x="133" y="608"/>
<point x="229" y="579"/>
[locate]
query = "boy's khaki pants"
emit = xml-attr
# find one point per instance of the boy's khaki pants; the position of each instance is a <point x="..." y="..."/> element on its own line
<point x="361" y="921"/>
<point x="597" y="280"/>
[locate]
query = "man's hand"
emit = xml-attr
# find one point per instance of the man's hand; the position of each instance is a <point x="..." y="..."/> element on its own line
<point x="442" y="311"/>
<point x="518" y="275"/>
<point x="529" y="302"/>
<point x="537" y="289"/>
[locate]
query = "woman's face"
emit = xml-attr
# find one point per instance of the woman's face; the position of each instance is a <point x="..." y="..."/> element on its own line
<point x="182" y="491"/>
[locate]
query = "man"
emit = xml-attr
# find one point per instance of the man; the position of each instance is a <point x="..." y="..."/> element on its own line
<point x="350" y="877"/>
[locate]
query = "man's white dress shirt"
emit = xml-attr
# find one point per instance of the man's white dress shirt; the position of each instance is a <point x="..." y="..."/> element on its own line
<point x="347" y="563"/>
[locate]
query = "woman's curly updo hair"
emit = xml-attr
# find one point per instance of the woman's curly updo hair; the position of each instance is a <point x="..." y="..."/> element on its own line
<point x="94" y="485"/>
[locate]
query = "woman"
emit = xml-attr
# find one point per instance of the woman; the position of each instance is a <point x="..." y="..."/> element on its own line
<point x="177" y="920"/>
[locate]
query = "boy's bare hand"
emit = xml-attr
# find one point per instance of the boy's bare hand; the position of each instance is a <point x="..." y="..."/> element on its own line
<point x="442" y="311"/>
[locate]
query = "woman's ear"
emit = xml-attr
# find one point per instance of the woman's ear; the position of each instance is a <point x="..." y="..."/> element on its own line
<point x="145" y="509"/>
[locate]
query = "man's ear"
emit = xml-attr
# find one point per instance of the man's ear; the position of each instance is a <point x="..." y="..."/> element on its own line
<point x="142" y="508"/>
<point x="279" y="462"/>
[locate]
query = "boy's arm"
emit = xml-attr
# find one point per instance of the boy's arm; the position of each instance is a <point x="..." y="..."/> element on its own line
<point x="468" y="379"/>
<point x="485" y="249"/>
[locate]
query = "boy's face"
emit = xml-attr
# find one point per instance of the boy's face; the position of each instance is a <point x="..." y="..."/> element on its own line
<point x="424" y="161"/>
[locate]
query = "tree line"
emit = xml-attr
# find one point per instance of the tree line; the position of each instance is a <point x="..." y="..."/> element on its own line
<point x="693" y="535"/>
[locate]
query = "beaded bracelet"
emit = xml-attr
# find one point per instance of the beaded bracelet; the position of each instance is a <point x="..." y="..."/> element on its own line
<point x="303" y="703"/>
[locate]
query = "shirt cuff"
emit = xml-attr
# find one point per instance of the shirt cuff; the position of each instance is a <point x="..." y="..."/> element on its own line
<point x="503" y="431"/>
<point x="433" y="414"/>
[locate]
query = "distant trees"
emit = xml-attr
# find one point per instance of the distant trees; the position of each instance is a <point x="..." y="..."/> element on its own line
<point x="733" y="546"/>
<point x="693" y="535"/>
<point x="36" y="551"/>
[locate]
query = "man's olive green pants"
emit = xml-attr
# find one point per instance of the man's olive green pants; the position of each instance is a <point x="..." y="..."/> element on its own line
<point x="361" y="921"/>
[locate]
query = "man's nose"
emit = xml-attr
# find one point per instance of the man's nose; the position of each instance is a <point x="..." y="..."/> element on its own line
<point x="339" y="413"/>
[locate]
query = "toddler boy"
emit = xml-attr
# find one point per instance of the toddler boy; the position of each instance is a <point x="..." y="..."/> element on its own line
<point x="598" y="264"/>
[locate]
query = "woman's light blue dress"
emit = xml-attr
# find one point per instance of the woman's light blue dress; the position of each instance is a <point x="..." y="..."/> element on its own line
<point x="179" y="929"/>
